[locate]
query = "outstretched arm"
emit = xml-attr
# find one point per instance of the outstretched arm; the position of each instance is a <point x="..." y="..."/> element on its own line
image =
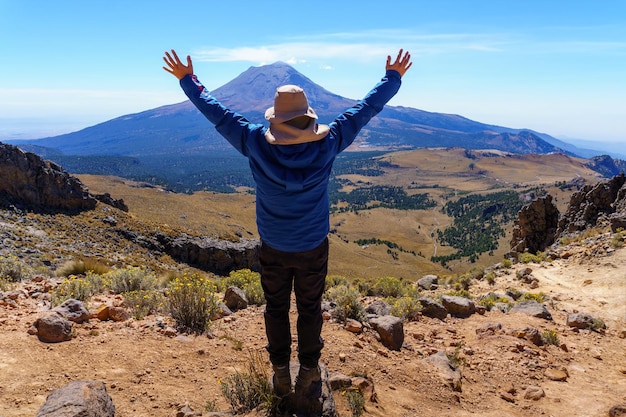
<point x="176" y="67"/>
<point x="402" y="63"/>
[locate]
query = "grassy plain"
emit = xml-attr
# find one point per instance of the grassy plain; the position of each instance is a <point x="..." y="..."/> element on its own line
<point x="445" y="174"/>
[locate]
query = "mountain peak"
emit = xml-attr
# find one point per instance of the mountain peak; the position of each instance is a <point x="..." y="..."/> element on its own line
<point x="254" y="89"/>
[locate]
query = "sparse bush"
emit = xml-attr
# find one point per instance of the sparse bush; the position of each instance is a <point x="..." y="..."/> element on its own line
<point x="144" y="302"/>
<point x="460" y="282"/>
<point x="550" y="337"/>
<point x="14" y="270"/>
<point x="248" y="281"/>
<point x="491" y="299"/>
<point x="77" y="288"/>
<point x="476" y="272"/>
<point x="334" y="280"/>
<point x="617" y="241"/>
<point x="406" y="308"/>
<point x="514" y="293"/>
<point x="192" y="302"/>
<point x="491" y="278"/>
<point x="81" y="267"/>
<point x="130" y="279"/>
<point x="506" y="263"/>
<point x="455" y="358"/>
<point x="348" y="302"/>
<point x="527" y="257"/>
<point x="528" y="296"/>
<point x="250" y="389"/>
<point x="460" y="293"/>
<point x="597" y="324"/>
<point x="388" y="287"/>
<point x="356" y="401"/>
<point x="365" y="286"/>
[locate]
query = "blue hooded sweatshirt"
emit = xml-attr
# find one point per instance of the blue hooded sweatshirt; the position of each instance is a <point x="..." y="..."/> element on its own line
<point x="292" y="207"/>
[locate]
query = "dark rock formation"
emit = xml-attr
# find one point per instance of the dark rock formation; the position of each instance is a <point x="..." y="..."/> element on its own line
<point x="26" y="178"/>
<point x="594" y="204"/>
<point x="535" y="227"/>
<point x="214" y="255"/>
<point x="29" y="181"/>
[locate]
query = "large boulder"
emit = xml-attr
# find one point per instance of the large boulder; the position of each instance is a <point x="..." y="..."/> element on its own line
<point x="390" y="329"/>
<point x="78" y="399"/>
<point x="52" y="328"/>
<point x="536" y="226"/>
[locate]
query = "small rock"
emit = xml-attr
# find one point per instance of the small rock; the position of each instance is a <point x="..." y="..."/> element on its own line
<point x="339" y="381"/>
<point x="507" y="397"/>
<point x="618" y="410"/>
<point x="235" y="298"/>
<point x="353" y="326"/>
<point x="534" y="393"/>
<point x="556" y="374"/>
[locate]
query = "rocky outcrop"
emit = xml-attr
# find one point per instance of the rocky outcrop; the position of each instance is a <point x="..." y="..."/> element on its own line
<point x="593" y="204"/>
<point x="539" y="224"/>
<point x="27" y="180"/>
<point x="211" y="254"/>
<point x="535" y="227"/>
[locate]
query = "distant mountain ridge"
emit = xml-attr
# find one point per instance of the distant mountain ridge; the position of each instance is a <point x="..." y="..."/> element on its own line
<point x="180" y="129"/>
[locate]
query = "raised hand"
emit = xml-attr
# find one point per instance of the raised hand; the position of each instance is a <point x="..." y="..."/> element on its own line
<point x="401" y="64"/>
<point x="176" y="67"/>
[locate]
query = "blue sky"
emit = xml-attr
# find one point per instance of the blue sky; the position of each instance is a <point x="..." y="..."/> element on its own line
<point x="557" y="67"/>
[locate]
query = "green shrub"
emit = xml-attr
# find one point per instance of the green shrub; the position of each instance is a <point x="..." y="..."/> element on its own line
<point x="333" y="281"/>
<point x="460" y="293"/>
<point x="461" y="282"/>
<point x="192" y="302"/>
<point x="248" y="281"/>
<point x="550" y="337"/>
<point x="528" y="296"/>
<point x="14" y="270"/>
<point x="77" y="288"/>
<point x="527" y="257"/>
<point x="617" y="240"/>
<point x="144" y="302"/>
<point x="356" y="402"/>
<point x="506" y="263"/>
<point x="249" y="389"/>
<point x="597" y="324"/>
<point x="130" y="279"/>
<point x="491" y="278"/>
<point x="388" y="287"/>
<point x="476" y="272"/>
<point x="348" y="303"/>
<point x="364" y="286"/>
<point x="489" y="300"/>
<point x="407" y="308"/>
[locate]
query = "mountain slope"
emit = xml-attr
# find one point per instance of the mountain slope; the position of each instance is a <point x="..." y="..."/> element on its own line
<point x="180" y="129"/>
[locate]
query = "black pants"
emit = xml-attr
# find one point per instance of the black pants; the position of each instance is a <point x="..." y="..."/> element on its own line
<point x="306" y="273"/>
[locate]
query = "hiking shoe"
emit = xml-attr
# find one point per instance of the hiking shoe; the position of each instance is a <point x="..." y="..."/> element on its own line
<point x="281" y="380"/>
<point x="309" y="382"/>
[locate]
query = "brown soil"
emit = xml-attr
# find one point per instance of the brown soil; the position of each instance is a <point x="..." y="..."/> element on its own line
<point x="148" y="373"/>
